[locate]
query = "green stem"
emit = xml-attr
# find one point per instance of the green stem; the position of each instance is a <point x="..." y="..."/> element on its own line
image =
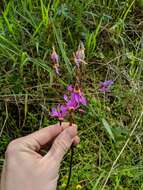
<point x="70" y="169"/>
<point x="72" y="153"/>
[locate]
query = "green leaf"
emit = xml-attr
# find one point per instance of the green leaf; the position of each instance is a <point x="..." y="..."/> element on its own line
<point x="108" y="129"/>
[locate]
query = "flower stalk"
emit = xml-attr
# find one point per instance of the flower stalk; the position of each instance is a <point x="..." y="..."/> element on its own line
<point x="70" y="168"/>
<point x="74" y="96"/>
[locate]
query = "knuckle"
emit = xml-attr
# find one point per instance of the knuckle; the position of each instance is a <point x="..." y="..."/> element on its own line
<point x="71" y="131"/>
<point x="12" y="147"/>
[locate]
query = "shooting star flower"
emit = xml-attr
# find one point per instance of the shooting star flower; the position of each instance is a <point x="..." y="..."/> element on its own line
<point x="104" y="86"/>
<point x="79" y="55"/>
<point x="55" y="60"/>
<point x="60" y="112"/>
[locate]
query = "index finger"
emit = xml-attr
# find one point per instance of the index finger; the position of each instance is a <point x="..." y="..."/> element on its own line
<point x="40" y="138"/>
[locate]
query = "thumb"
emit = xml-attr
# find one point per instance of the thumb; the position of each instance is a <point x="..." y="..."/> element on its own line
<point x="62" y="143"/>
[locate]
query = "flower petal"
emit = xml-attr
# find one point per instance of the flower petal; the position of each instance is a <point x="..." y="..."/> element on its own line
<point x="66" y="98"/>
<point x="70" y="88"/>
<point x="104" y="89"/>
<point x="54" y="112"/>
<point x="108" y="82"/>
<point x="54" y="56"/>
<point x="82" y="111"/>
<point x="83" y="100"/>
<point x="76" y="96"/>
<point x="63" y="109"/>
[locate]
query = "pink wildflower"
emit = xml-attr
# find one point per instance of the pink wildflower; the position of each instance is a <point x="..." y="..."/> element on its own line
<point x="55" y="60"/>
<point x="77" y="97"/>
<point x="104" y="86"/>
<point x="60" y="112"/>
<point x="70" y="88"/>
<point x="79" y="55"/>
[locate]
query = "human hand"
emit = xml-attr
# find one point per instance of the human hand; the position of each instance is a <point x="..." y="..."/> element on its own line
<point x="25" y="168"/>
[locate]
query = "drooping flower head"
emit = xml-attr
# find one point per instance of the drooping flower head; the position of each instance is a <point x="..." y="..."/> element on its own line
<point x="72" y="104"/>
<point x="60" y="112"/>
<point x="55" y="60"/>
<point x="76" y="98"/>
<point x="79" y="55"/>
<point x="73" y="101"/>
<point x="79" y="97"/>
<point x="54" y="56"/>
<point x="104" y="86"/>
<point x="70" y="88"/>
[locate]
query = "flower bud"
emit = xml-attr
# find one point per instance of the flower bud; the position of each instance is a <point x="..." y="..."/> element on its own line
<point x="54" y="56"/>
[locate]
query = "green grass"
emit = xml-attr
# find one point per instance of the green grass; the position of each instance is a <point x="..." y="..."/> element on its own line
<point x="110" y="153"/>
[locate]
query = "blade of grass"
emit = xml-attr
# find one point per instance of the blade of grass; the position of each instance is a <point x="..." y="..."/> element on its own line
<point x="108" y="129"/>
